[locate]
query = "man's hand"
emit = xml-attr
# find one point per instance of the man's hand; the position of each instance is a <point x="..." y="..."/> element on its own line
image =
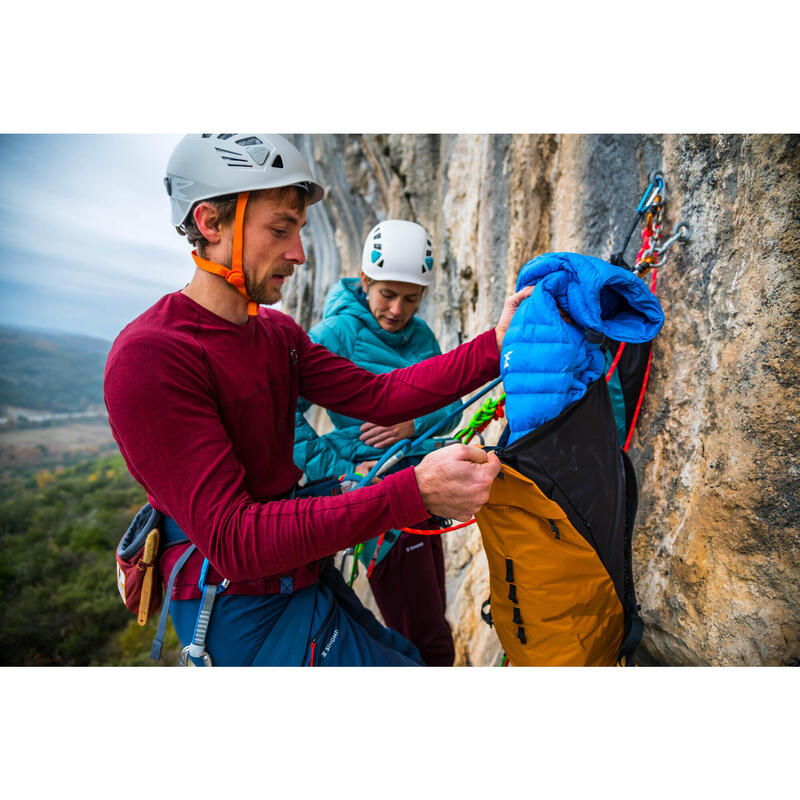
<point x="454" y="481"/>
<point x="510" y="306"/>
<point x="379" y="437"/>
<point x="364" y="467"/>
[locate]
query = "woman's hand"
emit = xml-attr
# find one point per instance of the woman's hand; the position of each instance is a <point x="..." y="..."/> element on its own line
<point x="379" y="437"/>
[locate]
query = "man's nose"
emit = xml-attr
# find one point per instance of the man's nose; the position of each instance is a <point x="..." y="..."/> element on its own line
<point x="296" y="254"/>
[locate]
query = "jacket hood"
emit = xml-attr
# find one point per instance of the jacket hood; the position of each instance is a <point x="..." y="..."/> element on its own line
<point x="347" y="298"/>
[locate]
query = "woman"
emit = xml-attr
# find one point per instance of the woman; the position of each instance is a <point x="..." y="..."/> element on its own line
<point x="371" y="321"/>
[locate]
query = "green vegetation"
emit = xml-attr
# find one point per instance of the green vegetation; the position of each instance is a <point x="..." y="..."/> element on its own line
<point x="51" y="372"/>
<point x="59" y="604"/>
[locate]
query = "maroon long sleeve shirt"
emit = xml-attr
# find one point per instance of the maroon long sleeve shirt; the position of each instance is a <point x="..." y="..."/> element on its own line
<point x="203" y="412"/>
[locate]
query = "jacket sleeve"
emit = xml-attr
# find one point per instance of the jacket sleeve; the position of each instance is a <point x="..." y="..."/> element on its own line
<point x="315" y="454"/>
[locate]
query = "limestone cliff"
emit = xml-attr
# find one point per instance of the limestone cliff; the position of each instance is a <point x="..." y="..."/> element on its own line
<point x="717" y="547"/>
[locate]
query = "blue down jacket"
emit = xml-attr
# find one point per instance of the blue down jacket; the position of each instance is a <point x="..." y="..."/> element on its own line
<point x="547" y="363"/>
<point x="349" y="329"/>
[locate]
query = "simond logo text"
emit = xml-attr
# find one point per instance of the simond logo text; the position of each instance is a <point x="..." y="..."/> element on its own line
<point x="330" y="642"/>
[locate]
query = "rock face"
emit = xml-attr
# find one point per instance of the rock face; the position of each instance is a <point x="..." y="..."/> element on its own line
<point x="717" y="546"/>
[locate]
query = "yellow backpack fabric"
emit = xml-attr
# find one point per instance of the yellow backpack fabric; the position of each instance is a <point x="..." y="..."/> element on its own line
<point x="557" y="535"/>
<point x="553" y="602"/>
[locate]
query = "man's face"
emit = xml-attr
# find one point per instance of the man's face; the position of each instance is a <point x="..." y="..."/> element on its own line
<point x="272" y="246"/>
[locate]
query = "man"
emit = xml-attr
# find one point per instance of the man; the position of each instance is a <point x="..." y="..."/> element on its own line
<point x="201" y="392"/>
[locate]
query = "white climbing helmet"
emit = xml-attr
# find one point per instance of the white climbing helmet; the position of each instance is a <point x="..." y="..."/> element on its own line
<point x="396" y="250"/>
<point x="206" y="165"/>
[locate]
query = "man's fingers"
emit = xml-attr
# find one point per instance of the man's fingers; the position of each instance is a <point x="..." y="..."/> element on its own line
<point x="475" y="454"/>
<point x="493" y="464"/>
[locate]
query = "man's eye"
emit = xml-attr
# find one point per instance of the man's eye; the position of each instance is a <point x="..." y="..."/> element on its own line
<point x="279" y="231"/>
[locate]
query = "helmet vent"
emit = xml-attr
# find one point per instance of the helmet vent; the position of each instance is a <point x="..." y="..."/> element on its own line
<point x="225" y="135"/>
<point x="248" y="141"/>
<point x="277" y="162"/>
<point x="376" y="245"/>
<point x="233" y="159"/>
<point x="379" y="263"/>
<point x="206" y="135"/>
<point x="377" y="235"/>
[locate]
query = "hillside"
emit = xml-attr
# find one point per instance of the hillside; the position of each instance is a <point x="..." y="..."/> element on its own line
<point x="59" y="603"/>
<point x="46" y="371"/>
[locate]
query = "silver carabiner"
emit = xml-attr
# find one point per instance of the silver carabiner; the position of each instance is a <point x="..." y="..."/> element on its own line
<point x="659" y="188"/>
<point x="681" y="233"/>
<point x="184" y="660"/>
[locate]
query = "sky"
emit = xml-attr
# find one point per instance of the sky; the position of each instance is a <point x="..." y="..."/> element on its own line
<point x="86" y="242"/>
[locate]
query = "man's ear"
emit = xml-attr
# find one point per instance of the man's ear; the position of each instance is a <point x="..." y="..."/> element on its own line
<point x="207" y="219"/>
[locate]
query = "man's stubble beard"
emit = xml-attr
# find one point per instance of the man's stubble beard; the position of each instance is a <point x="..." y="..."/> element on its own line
<point x="262" y="292"/>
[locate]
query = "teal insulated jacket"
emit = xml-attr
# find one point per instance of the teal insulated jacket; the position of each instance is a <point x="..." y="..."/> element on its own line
<point x="349" y="329"/>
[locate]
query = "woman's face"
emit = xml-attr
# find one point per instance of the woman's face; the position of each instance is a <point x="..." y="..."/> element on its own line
<point x="392" y="303"/>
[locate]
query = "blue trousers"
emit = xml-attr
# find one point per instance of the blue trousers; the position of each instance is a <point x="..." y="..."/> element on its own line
<point x="323" y="625"/>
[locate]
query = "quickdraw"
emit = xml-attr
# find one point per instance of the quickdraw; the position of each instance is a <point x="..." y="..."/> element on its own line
<point x="652" y="254"/>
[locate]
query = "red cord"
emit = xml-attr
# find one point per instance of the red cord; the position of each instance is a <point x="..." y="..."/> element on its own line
<point x="374" y="558"/>
<point x="639" y="403"/>
<point x="615" y="361"/>
<point x="311" y="662"/>
<point x="644" y="382"/>
<point x="438" y="530"/>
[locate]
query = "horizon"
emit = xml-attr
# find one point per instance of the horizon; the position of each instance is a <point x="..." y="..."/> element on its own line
<point x="35" y="329"/>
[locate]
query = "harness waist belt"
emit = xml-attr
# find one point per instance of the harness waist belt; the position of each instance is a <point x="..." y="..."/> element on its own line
<point x="186" y="589"/>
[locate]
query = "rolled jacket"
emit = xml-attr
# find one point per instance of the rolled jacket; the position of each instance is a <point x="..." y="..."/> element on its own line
<point x="547" y="362"/>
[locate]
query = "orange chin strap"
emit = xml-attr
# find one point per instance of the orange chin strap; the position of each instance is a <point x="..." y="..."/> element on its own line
<point x="234" y="274"/>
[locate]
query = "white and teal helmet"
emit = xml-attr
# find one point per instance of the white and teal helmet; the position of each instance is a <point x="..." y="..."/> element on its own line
<point x="396" y="250"/>
<point x="206" y="165"/>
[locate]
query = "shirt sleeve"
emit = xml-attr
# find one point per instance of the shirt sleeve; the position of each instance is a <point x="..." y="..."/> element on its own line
<point x="163" y="413"/>
<point x="426" y="422"/>
<point x="392" y="397"/>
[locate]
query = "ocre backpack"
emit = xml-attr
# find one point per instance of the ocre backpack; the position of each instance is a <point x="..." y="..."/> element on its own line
<point x="557" y="534"/>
